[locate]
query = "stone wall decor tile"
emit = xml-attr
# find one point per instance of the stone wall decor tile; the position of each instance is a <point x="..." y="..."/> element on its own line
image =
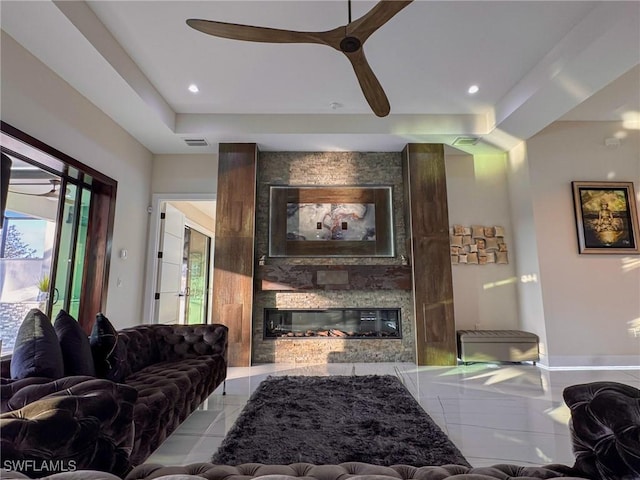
<point x="492" y="243"/>
<point x="478" y="245"/>
<point x="477" y="231"/>
<point x="458" y="230"/>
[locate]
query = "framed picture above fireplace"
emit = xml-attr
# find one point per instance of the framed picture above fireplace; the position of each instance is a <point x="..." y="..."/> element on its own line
<point x="328" y="221"/>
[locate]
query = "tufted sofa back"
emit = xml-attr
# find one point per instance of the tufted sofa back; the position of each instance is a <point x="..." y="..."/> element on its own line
<point x="605" y="429"/>
<point x="347" y="471"/>
<point x="149" y="344"/>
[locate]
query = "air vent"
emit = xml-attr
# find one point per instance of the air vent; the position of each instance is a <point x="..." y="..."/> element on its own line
<point x="466" y="141"/>
<point x="196" y="142"/>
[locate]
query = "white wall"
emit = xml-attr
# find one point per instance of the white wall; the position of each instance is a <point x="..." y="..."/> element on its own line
<point x="484" y="296"/>
<point x="591" y="302"/>
<point x="525" y="249"/>
<point x="185" y="173"/>
<point x="36" y="101"/>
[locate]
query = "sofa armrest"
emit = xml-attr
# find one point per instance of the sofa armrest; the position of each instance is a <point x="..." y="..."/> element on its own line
<point x="16" y="394"/>
<point x="605" y="429"/>
<point x="86" y="426"/>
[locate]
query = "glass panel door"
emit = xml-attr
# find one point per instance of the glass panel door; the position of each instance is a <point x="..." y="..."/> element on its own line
<point x="71" y="252"/>
<point x="64" y="262"/>
<point x="197" y="256"/>
<point x="79" y="257"/>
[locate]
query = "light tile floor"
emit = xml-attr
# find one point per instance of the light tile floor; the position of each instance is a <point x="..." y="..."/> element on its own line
<point x="494" y="414"/>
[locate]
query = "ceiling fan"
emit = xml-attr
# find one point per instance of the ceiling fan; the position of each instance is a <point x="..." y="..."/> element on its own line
<point x="348" y="39"/>
<point x="53" y="192"/>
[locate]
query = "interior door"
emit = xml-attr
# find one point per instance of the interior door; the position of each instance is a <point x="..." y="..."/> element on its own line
<point x="197" y="258"/>
<point x="169" y="292"/>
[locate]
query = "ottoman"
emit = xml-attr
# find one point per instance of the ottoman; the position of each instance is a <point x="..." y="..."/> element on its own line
<point x="497" y="346"/>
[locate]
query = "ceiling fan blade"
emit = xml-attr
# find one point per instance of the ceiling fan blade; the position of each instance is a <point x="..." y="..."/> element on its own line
<point x="371" y="21"/>
<point x="49" y="194"/>
<point x="369" y="83"/>
<point x="264" y="34"/>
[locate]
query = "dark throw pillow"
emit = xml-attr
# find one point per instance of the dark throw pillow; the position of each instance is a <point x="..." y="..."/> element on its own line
<point x="74" y="343"/>
<point x="104" y="348"/>
<point x="36" y="352"/>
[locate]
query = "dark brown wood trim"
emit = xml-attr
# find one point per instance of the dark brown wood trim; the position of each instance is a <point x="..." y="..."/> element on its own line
<point x="95" y="279"/>
<point x="49" y="150"/>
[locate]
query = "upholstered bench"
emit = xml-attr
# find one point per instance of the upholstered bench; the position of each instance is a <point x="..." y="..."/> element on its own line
<point x="497" y="346"/>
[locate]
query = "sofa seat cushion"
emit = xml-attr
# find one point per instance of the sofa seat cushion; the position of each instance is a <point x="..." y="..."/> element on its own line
<point x="167" y="393"/>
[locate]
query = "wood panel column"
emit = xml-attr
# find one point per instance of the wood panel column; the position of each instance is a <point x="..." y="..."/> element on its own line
<point x="427" y="219"/>
<point x="234" y="244"/>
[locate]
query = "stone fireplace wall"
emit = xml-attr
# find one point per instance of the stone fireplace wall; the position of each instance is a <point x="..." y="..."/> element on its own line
<point x="333" y="169"/>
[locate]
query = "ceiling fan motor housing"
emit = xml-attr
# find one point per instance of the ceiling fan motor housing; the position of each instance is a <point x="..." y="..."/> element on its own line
<point x="350" y="44"/>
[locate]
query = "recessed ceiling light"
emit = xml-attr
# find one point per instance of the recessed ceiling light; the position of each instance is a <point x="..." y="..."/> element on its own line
<point x="473" y="89"/>
<point x="193" y="88"/>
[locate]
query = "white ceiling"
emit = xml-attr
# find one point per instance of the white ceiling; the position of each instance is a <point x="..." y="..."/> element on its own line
<point x="534" y="61"/>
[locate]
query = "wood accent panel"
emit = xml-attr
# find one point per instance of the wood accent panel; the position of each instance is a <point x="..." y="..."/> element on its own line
<point x="360" y="277"/>
<point x="234" y="245"/>
<point x="95" y="277"/>
<point x="428" y="238"/>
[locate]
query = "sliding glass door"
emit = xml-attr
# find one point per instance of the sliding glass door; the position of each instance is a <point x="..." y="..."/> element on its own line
<point x="69" y="265"/>
<point x="78" y="205"/>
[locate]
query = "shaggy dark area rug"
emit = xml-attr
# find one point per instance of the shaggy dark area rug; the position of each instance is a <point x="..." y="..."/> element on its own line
<point x="327" y="420"/>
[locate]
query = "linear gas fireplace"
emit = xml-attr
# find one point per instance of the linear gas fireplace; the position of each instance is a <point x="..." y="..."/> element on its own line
<point x="332" y="323"/>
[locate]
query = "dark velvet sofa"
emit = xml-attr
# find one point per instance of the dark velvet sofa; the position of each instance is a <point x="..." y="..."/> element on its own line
<point x="605" y="431"/>
<point x="163" y="373"/>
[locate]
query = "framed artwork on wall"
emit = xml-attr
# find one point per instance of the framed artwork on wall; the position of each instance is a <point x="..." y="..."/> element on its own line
<point x="606" y="217"/>
<point x="327" y="221"/>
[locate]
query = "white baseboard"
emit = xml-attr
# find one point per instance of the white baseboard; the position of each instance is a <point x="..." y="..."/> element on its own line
<point x="591" y="362"/>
